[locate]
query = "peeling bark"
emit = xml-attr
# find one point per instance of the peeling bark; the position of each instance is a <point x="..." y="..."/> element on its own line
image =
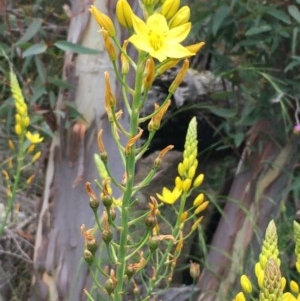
<point x="259" y="187"/>
<point x="60" y="273"/>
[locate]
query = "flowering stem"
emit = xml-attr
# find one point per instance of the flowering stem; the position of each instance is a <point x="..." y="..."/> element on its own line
<point x="175" y="234"/>
<point x="12" y="196"/>
<point x="130" y="170"/>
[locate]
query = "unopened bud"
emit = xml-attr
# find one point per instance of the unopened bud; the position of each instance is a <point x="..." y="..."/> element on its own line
<point x="110" y="48"/>
<point x="130" y="271"/>
<point x="124" y="59"/>
<point x="181" y="17"/>
<point x="166" y="65"/>
<point x="103" y="20"/>
<point x="107" y="200"/>
<point x="88" y="256"/>
<point x="91" y="245"/>
<point x="11" y="144"/>
<point x="153" y="243"/>
<point x="36" y="156"/>
<point x="155" y="121"/>
<point x="110" y="286"/>
<point x="112" y="212"/>
<point x="202" y="207"/>
<point x="199" y="180"/>
<point x="195" y="47"/>
<point x="107" y="236"/>
<point x="110" y="100"/>
<point x="149" y="74"/>
<point x="169" y="8"/>
<point x="179" y="77"/>
<point x="151" y="221"/>
<point x="194" y="270"/>
<point x="124" y="13"/>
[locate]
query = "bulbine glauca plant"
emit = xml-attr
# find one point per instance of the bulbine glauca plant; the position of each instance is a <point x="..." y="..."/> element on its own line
<point x="25" y="149"/>
<point x="145" y="259"/>
<point x="271" y="285"/>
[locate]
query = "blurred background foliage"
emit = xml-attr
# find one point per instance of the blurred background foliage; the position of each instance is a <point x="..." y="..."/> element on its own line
<point x="254" y="45"/>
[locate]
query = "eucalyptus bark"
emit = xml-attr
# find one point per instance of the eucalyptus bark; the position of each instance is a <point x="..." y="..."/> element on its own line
<point x="255" y="197"/>
<point x="59" y="270"/>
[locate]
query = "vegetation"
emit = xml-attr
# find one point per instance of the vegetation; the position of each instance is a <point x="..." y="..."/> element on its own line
<point x="252" y="45"/>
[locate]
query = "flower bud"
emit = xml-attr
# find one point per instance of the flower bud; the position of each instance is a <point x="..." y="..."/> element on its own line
<point x="110" y="100"/>
<point x="36" y="156"/>
<point x="130" y="271"/>
<point x="91" y="245"/>
<point x="18" y="129"/>
<point x="169" y="8"/>
<point x="186" y="185"/>
<point x="5" y="174"/>
<point x="294" y="287"/>
<point x="155" y="121"/>
<point x="179" y="77"/>
<point x="148" y="3"/>
<point x="109" y="286"/>
<point x="124" y="13"/>
<point x="202" y="207"/>
<point x="166" y="65"/>
<point x="107" y="236"/>
<point x="151" y="221"/>
<point x="195" y="47"/>
<point x="181" y="17"/>
<point x="153" y="244"/>
<point x="107" y="200"/>
<point x="194" y="270"/>
<point x="246" y="284"/>
<point x="149" y="74"/>
<point x="109" y="45"/>
<point x="124" y="59"/>
<point x="198" y="181"/>
<point x="103" y="20"/>
<point x="88" y="256"/>
<point x="198" y="200"/>
<point x="240" y="297"/>
<point x="112" y="213"/>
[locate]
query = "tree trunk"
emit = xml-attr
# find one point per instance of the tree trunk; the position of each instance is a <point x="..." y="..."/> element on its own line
<point x="259" y="187"/>
<point x="60" y="273"/>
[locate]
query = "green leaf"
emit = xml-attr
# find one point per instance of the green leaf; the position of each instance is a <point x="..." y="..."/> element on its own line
<point x="257" y="30"/>
<point x="31" y="31"/>
<point x="221" y="112"/>
<point x="279" y="15"/>
<point x="35" y="49"/>
<point x="75" y="48"/>
<point x="219" y="17"/>
<point x="294" y="12"/>
<point x="40" y="69"/>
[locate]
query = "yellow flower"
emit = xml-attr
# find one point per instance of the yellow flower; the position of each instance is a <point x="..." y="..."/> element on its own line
<point x="168" y="196"/>
<point x="246" y="284"/>
<point x="34" y="138"/>
<point x="240" y="297"/>
<point x="156" y="38"/>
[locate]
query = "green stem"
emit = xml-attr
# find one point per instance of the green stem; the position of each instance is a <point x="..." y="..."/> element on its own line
<point x="130" y="169"/>
<point x="11" y="199"/>
<point x="175" y="234"/>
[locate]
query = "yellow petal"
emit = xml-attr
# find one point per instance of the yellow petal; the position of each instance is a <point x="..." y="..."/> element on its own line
<point x="179" y="33"/>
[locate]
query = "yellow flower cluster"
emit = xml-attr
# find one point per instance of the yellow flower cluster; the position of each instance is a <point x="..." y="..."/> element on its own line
<point x="270" y="282"/>
<point x="21" y="117"/>
<point x="269" y="250"/>
<point x="160" y="35"/>
<point x="297" y="242"/>
<point x="185" y="182"/>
